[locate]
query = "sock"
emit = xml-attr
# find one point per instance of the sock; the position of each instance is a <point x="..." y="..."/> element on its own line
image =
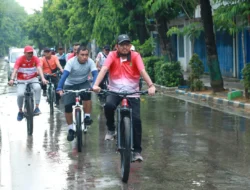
<point x="71" y="126"/>
<point x="87" y="114"/>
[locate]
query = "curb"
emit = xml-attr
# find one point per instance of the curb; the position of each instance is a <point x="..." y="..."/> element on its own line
<point x="221" y="101"/>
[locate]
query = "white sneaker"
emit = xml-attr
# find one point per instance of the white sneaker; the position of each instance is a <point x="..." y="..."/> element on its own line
<point x="137" y="157"/>
<point x="110" y="135"/>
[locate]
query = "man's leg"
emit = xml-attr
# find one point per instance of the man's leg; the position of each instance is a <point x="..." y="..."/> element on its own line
<point x="87" y="105"/>
<point x="20" y="96"/>
<point x="69" y="120"/>
<point x="37" y="91"/>
<point x="109" y="110"/>
<point x="137" y="128"/>
<point x="55" y="82"/>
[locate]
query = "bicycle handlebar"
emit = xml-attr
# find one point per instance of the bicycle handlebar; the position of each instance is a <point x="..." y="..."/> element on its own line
<point x="77" y="91"/>
<point x="124" y="93"/>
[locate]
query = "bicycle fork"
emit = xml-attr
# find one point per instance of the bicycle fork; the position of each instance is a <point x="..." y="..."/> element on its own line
<point x="75" y="107"/>
<point x="122" y="111"/>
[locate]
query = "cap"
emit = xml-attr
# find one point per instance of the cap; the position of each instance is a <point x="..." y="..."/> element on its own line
<point x="28" y="49"/>
<point x="123" y="38"/>
<point x="46" y="49"/>
<point x="60" y="48"/>
<point x="106" y="47"/>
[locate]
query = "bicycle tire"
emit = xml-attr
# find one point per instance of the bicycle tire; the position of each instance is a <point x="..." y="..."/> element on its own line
<point x="51" y="99"/>
<point x="126" y="148"/>
<point x="30" y="114"/>
<point x="78" y="129"/>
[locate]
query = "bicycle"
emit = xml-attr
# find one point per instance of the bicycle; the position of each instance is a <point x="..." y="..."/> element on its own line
<point x="28" y="106"/>
<point x="78" y="116"/>
<point x="51" y="93"/>
<point x="124" y="130"/>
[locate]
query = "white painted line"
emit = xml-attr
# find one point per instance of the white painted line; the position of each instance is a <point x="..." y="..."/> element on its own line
<point x="5" y="168"/>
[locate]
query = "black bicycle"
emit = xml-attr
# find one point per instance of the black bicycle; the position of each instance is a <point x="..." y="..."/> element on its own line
<point x="51" y="93"/>
<point x="28" y="106"/>
<point x="78" y="116"/>
<point x="124" y="130"/>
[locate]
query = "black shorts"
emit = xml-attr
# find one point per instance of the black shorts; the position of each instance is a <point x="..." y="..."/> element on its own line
<point x="69" y="99"/>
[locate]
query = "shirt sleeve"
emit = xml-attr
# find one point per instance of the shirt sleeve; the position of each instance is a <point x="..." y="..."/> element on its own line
<point x="68" y="65"/>
<point x="98" y="57"/>
<point x="108" y="62"/>
<point x="139" y="62"/>
<point x="38" y="62"/>
<point x="92" y="65"/>
<point x="17" y="63"/>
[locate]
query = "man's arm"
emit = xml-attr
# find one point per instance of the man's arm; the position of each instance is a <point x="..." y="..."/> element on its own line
<point x="151" y="87"/>
<point x="59" y="65"/>
<point x="99" y="78"/>
<point x="40" y="71"/>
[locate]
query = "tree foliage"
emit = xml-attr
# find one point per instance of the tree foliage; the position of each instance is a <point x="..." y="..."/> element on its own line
<point x="12" y="18"/>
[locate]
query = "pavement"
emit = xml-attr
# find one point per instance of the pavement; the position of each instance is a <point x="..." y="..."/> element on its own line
<point x="229" y="83"/>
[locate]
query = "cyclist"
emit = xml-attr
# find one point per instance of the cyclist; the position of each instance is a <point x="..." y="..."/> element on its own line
<point x="26" y="68"/>
<point x="50" y="65"/>
<point x="75" y="48"/>
<point x="125" y="67"/>
<point x="61" y="56"/>
<point x="100" y="59"/>
<point x="75" y="77"/>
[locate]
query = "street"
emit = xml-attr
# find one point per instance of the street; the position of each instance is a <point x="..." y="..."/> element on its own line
<point x="185" y="147"/>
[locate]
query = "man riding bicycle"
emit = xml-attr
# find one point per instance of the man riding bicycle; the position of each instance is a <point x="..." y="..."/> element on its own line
<point x="50" y="65"/>
<point x="100" y="59"/>
<point x="75" y="77"/>
<point x="125" y="67"/>
<point x="75" y="48"/>
<point x="61" y="56"/>
<point x="26" y="68"/>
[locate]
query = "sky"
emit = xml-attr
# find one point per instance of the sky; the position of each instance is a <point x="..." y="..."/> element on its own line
<point x="29" y="5"/>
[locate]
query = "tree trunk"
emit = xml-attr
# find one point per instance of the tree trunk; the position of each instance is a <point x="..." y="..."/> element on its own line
<point x="164" y="40"/>
<point x="141" y="29"/>
<point x="216" y="80"/>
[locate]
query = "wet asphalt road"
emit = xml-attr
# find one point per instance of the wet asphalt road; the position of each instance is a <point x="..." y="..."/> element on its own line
<point x="185" y="146"/>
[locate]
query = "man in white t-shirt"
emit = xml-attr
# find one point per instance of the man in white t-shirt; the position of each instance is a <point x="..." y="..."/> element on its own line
<point x="75" y="77"/>
<point x="100" y="59"/>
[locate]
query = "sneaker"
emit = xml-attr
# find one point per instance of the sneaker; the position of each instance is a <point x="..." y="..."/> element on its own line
<point x="88" y="120"/>
<point x="37" y="111"/>
<point x="20" y="116"/>
<point x="71" y="135"/>
<point x="110" y="135"/>
<point x="44" y="93"/>
<point x="137" y="157"/>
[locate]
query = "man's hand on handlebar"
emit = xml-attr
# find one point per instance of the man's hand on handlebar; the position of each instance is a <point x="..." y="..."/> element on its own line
<point x="11" y="82"/>
<point x="151" y="90"/>
<point x="60" y="92"/>
<point x="96" y="89"/>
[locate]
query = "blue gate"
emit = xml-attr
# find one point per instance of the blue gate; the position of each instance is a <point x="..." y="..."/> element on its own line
<point x="240" y="53"/>
<point x="224" y="44"/>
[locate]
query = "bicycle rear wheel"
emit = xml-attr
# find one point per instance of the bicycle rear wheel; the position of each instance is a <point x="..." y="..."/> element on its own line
<point x="78" y="129"/>
<point x="29" y="115"/>
<point x="51" y="99"/>
<point x="126" y="148"/>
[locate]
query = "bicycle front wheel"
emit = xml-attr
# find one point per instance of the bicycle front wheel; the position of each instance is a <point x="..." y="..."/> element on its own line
<point x="126" y="148"/>
<point x="79" y="129"/>
<point x="29" y="115"/>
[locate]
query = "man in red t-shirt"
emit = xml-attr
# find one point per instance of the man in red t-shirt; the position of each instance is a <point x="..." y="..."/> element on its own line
<point x="75" y="48"/>
<point x="26" y="68"/>
<point x="125" y="67"/>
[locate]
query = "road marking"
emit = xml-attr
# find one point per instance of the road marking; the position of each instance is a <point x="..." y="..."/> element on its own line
<point x="5" y="168"/>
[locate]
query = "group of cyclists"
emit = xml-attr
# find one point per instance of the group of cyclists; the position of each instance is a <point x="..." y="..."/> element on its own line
<point x="123" y="65"/>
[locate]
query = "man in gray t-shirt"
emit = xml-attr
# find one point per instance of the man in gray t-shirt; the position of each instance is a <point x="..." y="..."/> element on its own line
<point x="75" y="77"/>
